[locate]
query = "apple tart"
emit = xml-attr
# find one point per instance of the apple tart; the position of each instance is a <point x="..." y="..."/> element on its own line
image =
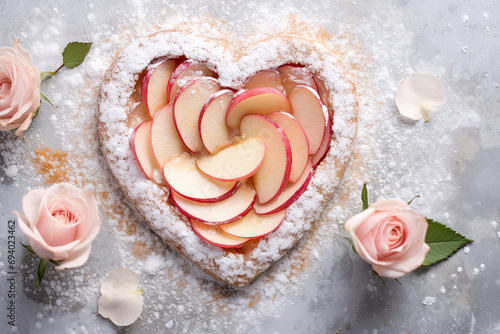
<point x="230" y="153"/>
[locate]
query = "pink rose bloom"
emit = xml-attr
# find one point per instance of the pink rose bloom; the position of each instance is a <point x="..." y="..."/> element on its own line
<point x="19" y="89"/>
<point x="60" y="223"/>
<point x="390" y="235"/>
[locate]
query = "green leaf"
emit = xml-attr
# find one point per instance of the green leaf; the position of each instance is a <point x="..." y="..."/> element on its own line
<point x="28" y="247"/>
<point x="46" y="74"/>
<point x="35" y="113"/>
<point x="43" y="97"/>
<point x="379" y="277"/>
<point x="42" y="266"/>
<point x="443" y="242"/>
<point x="74" y="53"/>
<point x="364" y="197"/>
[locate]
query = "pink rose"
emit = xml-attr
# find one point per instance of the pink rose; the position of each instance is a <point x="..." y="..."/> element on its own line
<point x="60" y="223"/>
<point x="19" y="89"/>
<point x="390" y="235"/>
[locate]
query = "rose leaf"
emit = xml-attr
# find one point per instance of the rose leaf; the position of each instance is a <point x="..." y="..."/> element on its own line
<point x="443" y="242"/>
<point x="74" y="53"/>
<point x="43" y="97"/>
<point x="364" y="197"/>
<point x="419" y="94"/>
<point x="121" y="300"/>
<point x="42" y="266"/>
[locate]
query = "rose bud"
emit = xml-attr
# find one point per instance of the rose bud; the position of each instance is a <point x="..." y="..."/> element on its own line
<point x="19" y="89"/>
<point x="60" y="223"/>
<point x="390" y="235"/>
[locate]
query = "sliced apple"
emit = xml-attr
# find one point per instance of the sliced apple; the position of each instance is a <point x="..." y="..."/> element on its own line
<point x="165" y="140"/>
<point x="323" y="93"/>
<point x="222" y="212"/>
<point x="185" y="72"/>
<point x="267" y="78"/>
<point x="325" y="144"/>
<point x="141" y="146"/>
<point x="187" y="108"/>
<point x="212" y="122"/>
<point x="185" y="178"/>
<point x="138" y="115"/>
<point x="274" y="173"/>
<point x="254" y="226"/>
<point x="294" y="75"/>
<point x="289" y="195"/>
<point x="307" y="108"/>
<point x="154" y="84"/>
<point x="298" y="142"/>
<point x="263" y="101"/>
<point x="235" y="162"/>
<point x="214" y="235"/>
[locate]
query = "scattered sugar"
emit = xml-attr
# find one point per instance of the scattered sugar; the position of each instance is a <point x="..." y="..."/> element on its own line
<point x="498" y="234"/>
<point x="168" y="274"/>
<point x="475" y="271"/>
<point x="428" y="301"/>
<point x="465" y="18"/>
<point x="460" y="270"/>
<point x="466" y="250"/>
<point x="494" y="224"/>
<point x="91" y="17"/>
<point x="464" y="49"/>
<point x="11" y="171"/>
<point x="482" y="267"/>
<point x="442" y="289"/>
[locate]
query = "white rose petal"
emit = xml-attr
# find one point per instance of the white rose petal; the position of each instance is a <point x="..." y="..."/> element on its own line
<point x="418" y="94"/>
<point x="121" y="301"/>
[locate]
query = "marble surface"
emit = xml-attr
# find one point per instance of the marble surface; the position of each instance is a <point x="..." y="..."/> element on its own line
<point x="458" y="178"/>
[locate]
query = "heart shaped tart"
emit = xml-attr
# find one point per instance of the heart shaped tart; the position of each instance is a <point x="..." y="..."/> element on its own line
<point x="230" y="154"/>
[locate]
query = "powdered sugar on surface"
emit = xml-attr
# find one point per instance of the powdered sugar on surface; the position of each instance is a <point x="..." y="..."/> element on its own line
<point x="391" y="153"/>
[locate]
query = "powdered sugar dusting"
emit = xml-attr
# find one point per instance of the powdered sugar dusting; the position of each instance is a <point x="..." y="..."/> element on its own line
<point x="389" y="151"/>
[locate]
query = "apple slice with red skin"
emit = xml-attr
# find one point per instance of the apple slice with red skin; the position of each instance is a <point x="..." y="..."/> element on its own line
<point x="215" y="236"/>
<point x="223" y="212"/>
<point x="187" y="108"/>
<point x="185" y="72"/>
<point x="325" y="144"/>
<point x="235" y="162"/>
<point x="263" y="101"/>
<point x="294" y="75"/>
<point x="165" y="140"/>
<point x="298" y="142"/>
<point x="141" y="146"/>
<point x="308" y="109"/>
<point x="154" y="84"/>
<point x="267" y="78"/>
<point x="185" y="178"/>
<point x="212" y="122"/>
<point x="289" y="195"/>
<point x="274" y="173"/>
<point x="254" y="226"/>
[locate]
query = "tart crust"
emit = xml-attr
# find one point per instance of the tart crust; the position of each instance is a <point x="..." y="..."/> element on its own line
<point x="237" y="267"/>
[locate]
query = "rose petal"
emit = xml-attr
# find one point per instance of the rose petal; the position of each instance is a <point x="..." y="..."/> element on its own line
<point x="120" y="300"/>
<point x="405" y="266"/>
<point x="76" y="259"/>
<point x="418" y="94"/>
<point x="31" y="204"/>
<point x="353" y="223"/>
